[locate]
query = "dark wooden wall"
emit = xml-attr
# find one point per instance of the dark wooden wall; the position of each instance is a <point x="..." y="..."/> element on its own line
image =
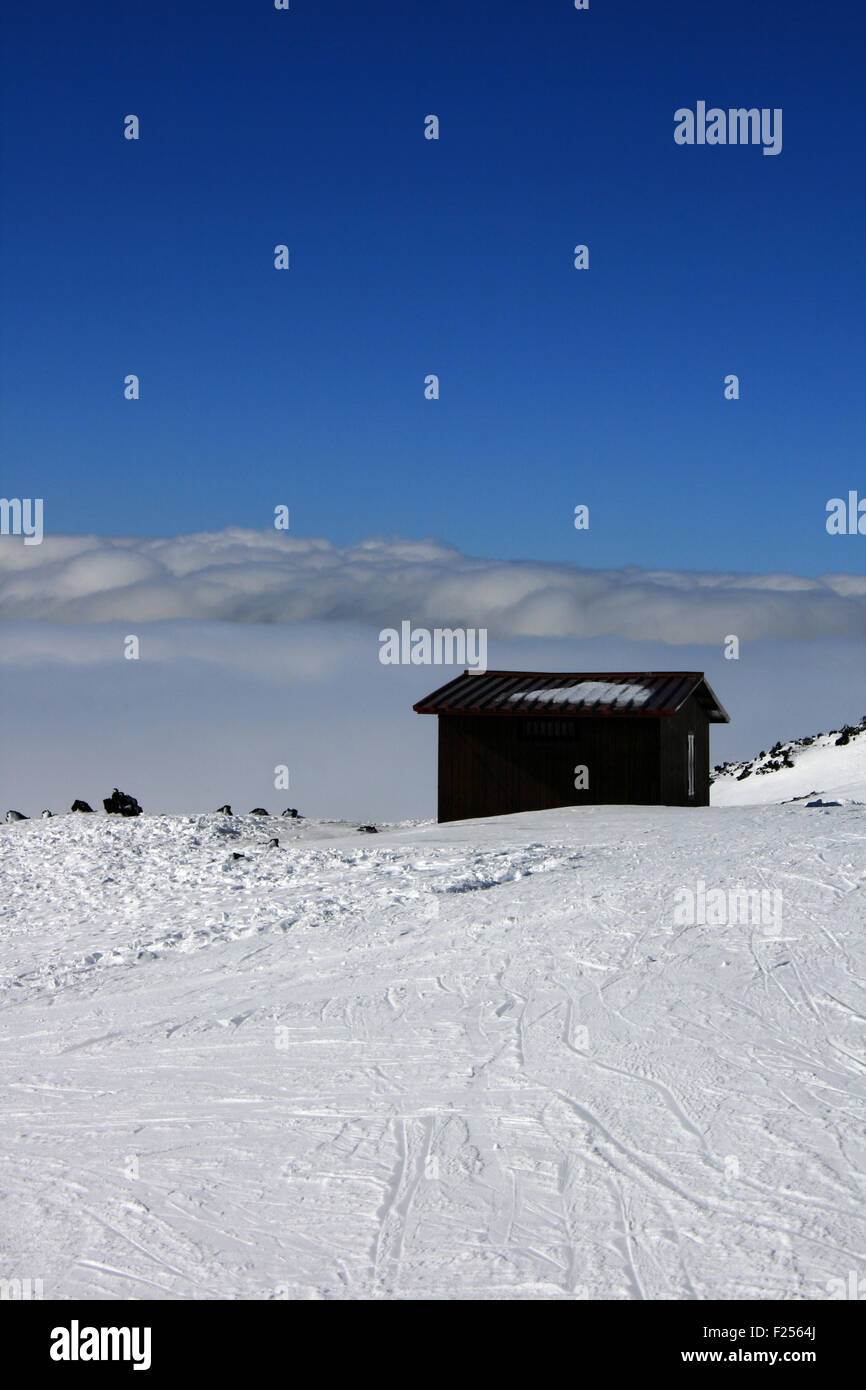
<point x="491" y="766"/>
<point x="675" y="729"/>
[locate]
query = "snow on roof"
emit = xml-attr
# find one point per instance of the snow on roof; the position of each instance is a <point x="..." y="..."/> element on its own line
<point x="587" y="693"/>
<point x="594" y="693"/>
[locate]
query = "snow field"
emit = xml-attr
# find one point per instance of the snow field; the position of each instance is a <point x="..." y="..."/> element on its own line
<point x="476" y="1060"/>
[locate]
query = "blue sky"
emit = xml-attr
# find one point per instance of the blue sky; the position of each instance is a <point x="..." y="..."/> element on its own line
<point x="411" y="256"/>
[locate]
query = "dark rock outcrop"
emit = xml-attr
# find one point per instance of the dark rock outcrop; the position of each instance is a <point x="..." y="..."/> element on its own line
<point x="119" y="804"/>
<point x="259" y="811"/>
<point x="81" y="806"/>
<point x="224" y="810"/>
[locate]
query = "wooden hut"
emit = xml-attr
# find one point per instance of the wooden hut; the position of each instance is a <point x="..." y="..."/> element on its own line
<point x="528" y="740"/>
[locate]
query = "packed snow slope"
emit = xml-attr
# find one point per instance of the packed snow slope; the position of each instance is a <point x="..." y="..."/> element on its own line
<point x="830" y="766"/>
<point x="479" y="1060"/>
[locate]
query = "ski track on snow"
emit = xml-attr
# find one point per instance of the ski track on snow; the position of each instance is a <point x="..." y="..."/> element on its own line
<point x="475" y="1060"/>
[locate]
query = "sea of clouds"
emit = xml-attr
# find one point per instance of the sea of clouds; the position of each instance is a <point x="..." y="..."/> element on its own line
<point x="240" y="576"/>
<point x="257" y="649"/>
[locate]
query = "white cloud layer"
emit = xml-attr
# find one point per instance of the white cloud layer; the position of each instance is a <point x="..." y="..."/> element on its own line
<point x="210" y="710"/>
<point x="240" y="576"/>
<point x="258" y="650"/>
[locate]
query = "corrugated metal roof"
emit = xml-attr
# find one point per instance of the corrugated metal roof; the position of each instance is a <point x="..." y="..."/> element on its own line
<point x="616" y="693"/>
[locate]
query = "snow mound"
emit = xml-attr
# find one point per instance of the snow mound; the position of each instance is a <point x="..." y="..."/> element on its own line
<point x="831" y="767"/>
<point x="216" y="879"/>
